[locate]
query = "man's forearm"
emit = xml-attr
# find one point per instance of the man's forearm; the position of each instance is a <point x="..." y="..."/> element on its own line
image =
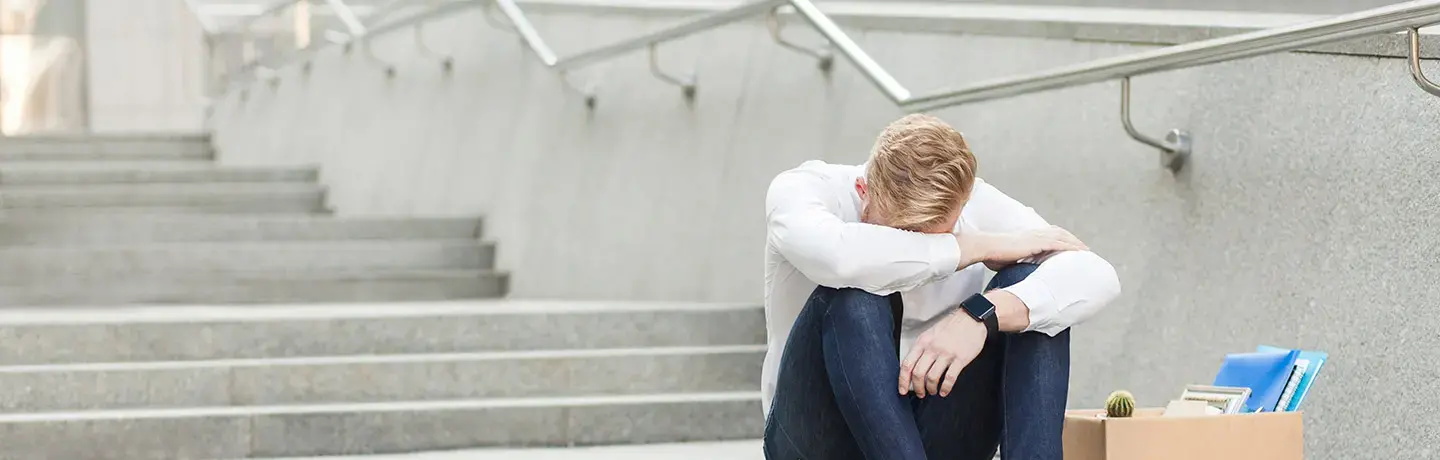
<point x="974" y="248"/>
<point x="1012" y="313"/>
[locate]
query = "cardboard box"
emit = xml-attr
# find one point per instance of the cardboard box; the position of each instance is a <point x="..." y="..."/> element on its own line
<point x="1148" y="436"/>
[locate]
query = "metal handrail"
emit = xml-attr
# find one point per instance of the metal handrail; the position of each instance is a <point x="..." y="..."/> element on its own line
<point x="1392" y="18"/>
<point x="347" y="16"/>
<point x="1175" y="148"/>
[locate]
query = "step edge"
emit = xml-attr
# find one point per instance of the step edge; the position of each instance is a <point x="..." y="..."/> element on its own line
<point x="246" y="245"/>
<point x="182" y="314"/>
<point x="405" y="358"/>
<point x="440" y="405"/>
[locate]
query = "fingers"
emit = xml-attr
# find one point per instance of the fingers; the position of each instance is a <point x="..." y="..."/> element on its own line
<point x="922" y="368"/>
<point x="952" y="373"/>
<point x="1071" y="239"/>
<point x="1064" y="240"/>
<point x="907" y="366"/>
<point x="937" y="372"/>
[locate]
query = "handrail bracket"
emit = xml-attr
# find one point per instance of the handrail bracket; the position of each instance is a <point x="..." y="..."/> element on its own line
<point x="1415" y="70"/>
<point x="363" y="43"/>
<point x="1174" y="150"/>
<point x="424" y="49"/>
<point x="686" y="83"/>
<point x="822" y="54"/>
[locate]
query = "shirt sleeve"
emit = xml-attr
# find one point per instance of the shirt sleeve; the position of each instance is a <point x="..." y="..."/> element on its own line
<point x="804" y="226"/>
<point x="1068" y="287"/>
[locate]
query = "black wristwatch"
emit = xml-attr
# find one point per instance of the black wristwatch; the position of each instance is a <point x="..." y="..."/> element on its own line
<point x="982" y="310"/>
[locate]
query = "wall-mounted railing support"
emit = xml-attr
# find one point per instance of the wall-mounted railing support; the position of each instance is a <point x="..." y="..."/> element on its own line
<point x="1415" y="70"/>
<point x="823" y="55"/>
<point x="686" y="83"/>
<point x="369" y="53"/>
<point x="520" y="25"/>
<point x="267" y="75"/>
<point x="852" y="51"/>
<point x="446" y="62"/>
<point x="1174" y="150"/>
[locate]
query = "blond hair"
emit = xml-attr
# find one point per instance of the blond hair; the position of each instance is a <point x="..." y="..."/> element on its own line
<point x="920" y="173"/>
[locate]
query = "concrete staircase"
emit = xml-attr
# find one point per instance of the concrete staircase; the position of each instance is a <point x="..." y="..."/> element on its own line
<point x="145" y="220"/>
<point x="112" y="228"/>
<point x="237" y="382"/>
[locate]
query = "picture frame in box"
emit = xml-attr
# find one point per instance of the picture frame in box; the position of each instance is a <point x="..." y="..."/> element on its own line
<point x="1230" y="400"/>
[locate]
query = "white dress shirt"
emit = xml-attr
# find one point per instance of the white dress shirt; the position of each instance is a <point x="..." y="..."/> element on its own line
<point x="814" y="237"/>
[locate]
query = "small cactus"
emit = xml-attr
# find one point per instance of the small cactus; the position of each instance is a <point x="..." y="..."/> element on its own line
<point x="1120" y="404"/>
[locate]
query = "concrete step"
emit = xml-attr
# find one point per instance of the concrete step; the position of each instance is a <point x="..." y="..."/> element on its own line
<point x="50" y="173"/>
<point x="28" y="264"/>
<point x="259" y="288"/>
<point x="178" y="333"/>
<point x="207" y="196"/>
<point x="390" y="427"/>
<point x="246" y="208"/>
<point x="378" y="378"/>
<point x="89" y="147"/>
<point x="746" y="449"/>
<point x="80" y="230"/>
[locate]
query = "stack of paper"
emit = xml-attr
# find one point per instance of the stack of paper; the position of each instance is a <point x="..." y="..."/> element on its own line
<point x="1307" y="365"/>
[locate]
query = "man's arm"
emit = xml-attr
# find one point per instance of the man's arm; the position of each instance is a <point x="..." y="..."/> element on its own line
<point x="1069" y="287"/>
<point x="805" y="227"/>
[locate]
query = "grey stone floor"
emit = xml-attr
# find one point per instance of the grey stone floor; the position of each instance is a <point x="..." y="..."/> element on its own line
<point x="729" y="450"/>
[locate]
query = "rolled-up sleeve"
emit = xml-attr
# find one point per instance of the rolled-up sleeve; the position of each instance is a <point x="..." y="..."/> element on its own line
<point x="804" y="226"/>
<point x="1068" y="287"/>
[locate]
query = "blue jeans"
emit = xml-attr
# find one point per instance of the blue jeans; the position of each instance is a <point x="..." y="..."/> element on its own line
<point x="836" y="397"/>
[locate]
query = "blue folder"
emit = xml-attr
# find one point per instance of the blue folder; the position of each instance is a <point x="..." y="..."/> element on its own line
<point x="1264" y="373"/>
<point x="1317" y="360"/>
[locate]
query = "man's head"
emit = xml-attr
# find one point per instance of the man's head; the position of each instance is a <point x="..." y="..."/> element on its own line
<point x="919" y="175"/>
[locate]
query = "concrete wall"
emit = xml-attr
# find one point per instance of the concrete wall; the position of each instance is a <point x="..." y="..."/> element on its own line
<point x="1306" y="217"/>
<point x="146" y="63"/>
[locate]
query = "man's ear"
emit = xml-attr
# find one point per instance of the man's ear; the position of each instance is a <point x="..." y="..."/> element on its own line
<point x="860" y="187"/>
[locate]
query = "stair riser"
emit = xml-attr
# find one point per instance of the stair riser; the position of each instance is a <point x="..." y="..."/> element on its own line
<point x="12" y="177"/>
<point x="51" y="149"/>
<point x="47" y="391"/>
<point x="37" y="264"/>
<point x="251" y="208"/>
<point x="160" y="229"/>
<point x="306" y="199"/>
<point x="258" y="291"/>
<point x="120" y="342"/>
<point x="242" y="436"/>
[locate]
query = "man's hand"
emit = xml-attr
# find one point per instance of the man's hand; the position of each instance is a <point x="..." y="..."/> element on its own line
<point x="941" y="352"/>
<point x="998" y="250"/>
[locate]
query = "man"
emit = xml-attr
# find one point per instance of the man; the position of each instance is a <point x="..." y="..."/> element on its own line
<point x="860" y="256"/>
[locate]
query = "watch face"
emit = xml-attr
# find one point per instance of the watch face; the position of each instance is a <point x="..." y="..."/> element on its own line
<point x="978" y="307"/>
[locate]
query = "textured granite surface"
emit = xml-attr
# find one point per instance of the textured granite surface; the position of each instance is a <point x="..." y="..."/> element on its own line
<point x="377" y="378"/>
<point x="723" y="450"/>
<point x="163" y="338"/>
<point x="1305" y="217"/>
<point x="212" y="433"/>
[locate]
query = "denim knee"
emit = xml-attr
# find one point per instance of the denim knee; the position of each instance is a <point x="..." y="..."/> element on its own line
<point x="857" y="305"/>
<point x="857" y="299"/>
<point x="1010" y="275"/>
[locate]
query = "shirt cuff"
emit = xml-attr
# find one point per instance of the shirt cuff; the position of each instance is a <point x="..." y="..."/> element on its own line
<point x="944" y="255"/>
<point x="1037" y="297"/>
